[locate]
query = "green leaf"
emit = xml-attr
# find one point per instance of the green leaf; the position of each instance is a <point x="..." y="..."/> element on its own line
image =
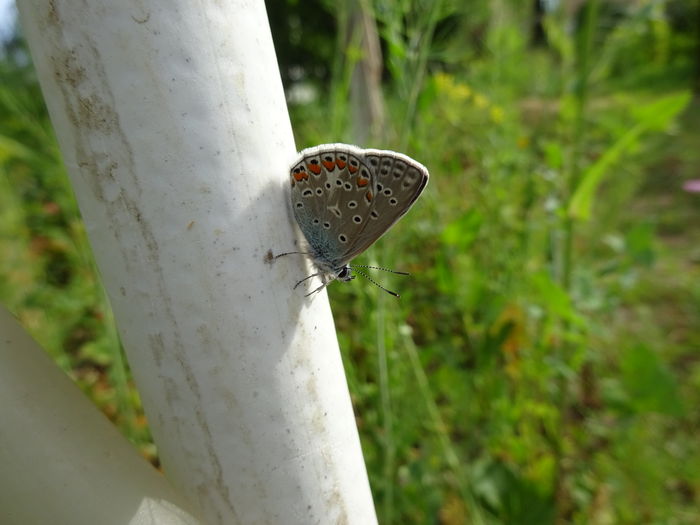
<point x="553" y="298"/>
<point x="463" y="231"/>
<point x="651" y="117"/>
<point x="650" y="384"/>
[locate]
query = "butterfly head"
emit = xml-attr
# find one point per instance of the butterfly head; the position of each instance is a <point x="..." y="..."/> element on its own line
<point x="344" y="273"/>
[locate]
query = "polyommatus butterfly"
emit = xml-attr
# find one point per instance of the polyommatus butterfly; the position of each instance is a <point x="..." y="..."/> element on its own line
<point x="344" y="198"/>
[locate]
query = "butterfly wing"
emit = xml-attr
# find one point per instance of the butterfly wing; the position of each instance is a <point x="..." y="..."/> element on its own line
<point x="397" y="181"/>
<point x="332" y="197"/>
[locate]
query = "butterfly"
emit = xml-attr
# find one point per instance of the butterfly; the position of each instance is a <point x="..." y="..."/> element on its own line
<point x="344" y="198"/>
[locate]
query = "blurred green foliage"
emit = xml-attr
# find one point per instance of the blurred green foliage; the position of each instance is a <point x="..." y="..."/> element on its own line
<point x="542" y="364"/>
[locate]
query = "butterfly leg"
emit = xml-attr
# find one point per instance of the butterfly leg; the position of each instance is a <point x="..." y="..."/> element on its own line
<point x="307" y="278"/>
<point x="326" y="283"/>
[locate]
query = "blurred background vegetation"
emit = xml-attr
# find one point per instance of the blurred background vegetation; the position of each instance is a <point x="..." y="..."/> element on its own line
<point x="543" y="362"/>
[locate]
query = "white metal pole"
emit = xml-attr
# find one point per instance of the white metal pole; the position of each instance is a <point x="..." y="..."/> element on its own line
<point x="61" y="461"/>
<point x="171" y="119"/>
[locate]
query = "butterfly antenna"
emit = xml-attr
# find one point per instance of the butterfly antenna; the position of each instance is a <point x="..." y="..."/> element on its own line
<point x="378" y="268"/>
<point x="375" y="283"/>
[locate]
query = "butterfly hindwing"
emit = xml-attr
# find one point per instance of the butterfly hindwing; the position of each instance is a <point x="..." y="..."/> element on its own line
<point x="330" y="188"/>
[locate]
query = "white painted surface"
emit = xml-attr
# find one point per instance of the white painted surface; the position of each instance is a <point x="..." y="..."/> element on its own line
<point x="172" y="123"/>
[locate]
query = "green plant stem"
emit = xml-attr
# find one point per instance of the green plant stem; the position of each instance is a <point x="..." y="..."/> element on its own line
<point x="341" y="70"/>
<point x="581" y="97"/>
<point x="581" y="93"/>
<point x="419" y="73"/>
<point x="459" y="471"/>
<point x="387" y="419"/>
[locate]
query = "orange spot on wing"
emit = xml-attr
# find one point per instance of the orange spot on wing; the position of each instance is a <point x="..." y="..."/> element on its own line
<point x="300" y="175"/>
<point x="352" y="169"/>
<point x="315" y="168"/>
<point x="361" y="183"/>
<point x="330" y="165"/>
<point x="368" y="196"/>
<point x="340" y="163"/>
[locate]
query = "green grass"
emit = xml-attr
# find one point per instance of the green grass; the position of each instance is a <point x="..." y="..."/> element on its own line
<point x="542" y="364"/>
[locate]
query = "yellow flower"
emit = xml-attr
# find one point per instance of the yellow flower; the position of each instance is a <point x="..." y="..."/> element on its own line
<point x="452" y="89"/>
<point x="497" y="114"/>
<point x="443" y="80"/>
<point x="462" y="91"/>
<point x="480" y="101"/>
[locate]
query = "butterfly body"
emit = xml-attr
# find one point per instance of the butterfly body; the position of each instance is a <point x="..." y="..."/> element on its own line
<point x="344" y="198"/>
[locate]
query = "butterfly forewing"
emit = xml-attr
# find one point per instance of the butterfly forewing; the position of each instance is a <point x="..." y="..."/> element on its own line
<point x="398" y="181"/>
<point x="345" y="198"/>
